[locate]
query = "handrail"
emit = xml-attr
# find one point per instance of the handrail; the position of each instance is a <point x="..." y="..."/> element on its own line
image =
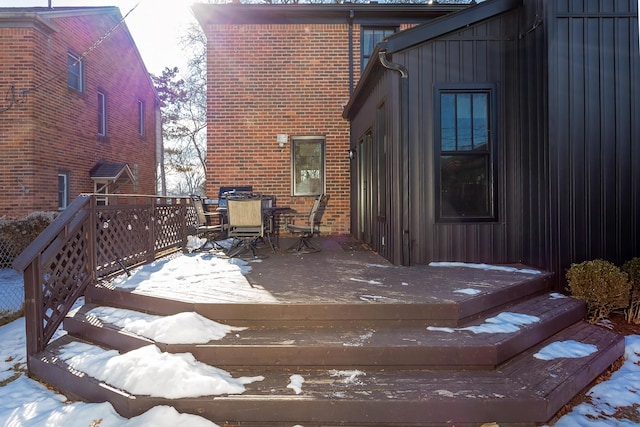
<point x="25" y="258"/>
<point x="88" y="241"/>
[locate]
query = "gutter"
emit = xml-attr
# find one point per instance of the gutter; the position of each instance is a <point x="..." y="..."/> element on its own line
<point x="404" y="144"/>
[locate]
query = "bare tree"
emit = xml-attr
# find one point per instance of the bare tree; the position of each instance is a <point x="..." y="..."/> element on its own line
<point x="184" y="123"/>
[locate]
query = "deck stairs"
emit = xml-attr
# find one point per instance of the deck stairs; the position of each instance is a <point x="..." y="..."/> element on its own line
<point x="363" y="364"/>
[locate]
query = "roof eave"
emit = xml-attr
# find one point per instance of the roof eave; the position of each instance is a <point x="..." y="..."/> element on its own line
<point x="28" y="20"/>
<point x="235" y="13"/>
<point x="425" y="32"/>
<point x="448" y="23"/>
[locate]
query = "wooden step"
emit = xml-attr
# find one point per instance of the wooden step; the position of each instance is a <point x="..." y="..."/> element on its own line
<point x="361" y="345"/>
<point x="520" y="391"/>
<point x="433" y="301"/>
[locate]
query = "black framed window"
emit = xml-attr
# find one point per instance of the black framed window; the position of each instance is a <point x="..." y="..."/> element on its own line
<point x="308" y="165"/>
<point x="102" y="114"/>
<point x="369" y="38"/>
<point x="465" y="153"/>
<point x="75" y="68"/>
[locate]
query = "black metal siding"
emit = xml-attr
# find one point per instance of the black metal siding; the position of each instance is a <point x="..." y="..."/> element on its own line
<point x="380" y="233"/>
<point x="482" y="53"/>
<point x="594" y="133"/>
<point x="534" y="163"/>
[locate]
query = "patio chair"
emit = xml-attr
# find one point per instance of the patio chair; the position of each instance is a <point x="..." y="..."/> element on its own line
<point x="211" y="232"/>
<point x="306" y="231"/>
<point x="246" y="225"/>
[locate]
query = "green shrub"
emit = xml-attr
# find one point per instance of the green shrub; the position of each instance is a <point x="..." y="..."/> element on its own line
<point x="602" y="285"/>
<point x="632" y="268"/>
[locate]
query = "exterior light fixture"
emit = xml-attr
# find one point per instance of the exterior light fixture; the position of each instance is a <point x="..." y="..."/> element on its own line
<point x="352" y="153"/>
<point x="282" y="139"/>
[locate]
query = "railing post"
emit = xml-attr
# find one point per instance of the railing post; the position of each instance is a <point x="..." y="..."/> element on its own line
<point x="92" y="256"/>
<point x="33" y="309"/>
<point x="151" y="253"/>
<point x="183" y="211"/>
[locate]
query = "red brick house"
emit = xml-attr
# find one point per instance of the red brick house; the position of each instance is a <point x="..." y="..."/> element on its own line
<point x="279" y="77"/>
<point x="78" y="110"/>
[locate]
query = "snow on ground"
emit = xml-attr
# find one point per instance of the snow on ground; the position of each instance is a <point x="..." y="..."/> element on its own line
<point x="27" y="403"/>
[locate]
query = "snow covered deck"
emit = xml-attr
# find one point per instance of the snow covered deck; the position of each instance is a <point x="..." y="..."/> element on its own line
<point x="338" y="337"/>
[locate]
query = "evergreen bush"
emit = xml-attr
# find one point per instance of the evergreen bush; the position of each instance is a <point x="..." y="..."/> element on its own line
<point x="601" y="285"/>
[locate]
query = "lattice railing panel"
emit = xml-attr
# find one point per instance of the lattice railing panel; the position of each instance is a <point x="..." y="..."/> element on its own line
<point x="191" y="219"/>
<point x="122" y="237"/>
<point x="169" y="222"/>
<point x="64" y="279"/>
<point x="87" y="241"/>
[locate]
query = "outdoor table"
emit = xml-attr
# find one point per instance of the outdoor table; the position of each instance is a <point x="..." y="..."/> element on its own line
<point x="271" y="215"/>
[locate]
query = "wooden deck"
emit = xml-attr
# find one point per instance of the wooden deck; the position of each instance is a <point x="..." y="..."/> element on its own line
<point x="355" y="327"/>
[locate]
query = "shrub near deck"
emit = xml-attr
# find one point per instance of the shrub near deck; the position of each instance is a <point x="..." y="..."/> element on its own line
<point x="603" y="286"/>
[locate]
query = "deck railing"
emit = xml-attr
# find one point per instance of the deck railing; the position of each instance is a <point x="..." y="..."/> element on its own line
<point x="88" y="242"/>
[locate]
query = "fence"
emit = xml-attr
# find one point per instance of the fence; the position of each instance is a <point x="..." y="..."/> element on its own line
<point x="11" y="287"/>
<point x="88" y="242"/>
<point x="15" y="236"/>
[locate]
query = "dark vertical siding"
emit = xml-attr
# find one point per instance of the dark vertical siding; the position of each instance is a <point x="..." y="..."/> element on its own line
<point x="534" y="163"/>
<point x="383" y="234"/>
<point x="594" y="132"/>
<point x="483" y="53"/>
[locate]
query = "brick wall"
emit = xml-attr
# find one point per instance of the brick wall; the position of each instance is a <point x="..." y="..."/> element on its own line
<point x="54" y="128"/>
<point x="272" y="79"/>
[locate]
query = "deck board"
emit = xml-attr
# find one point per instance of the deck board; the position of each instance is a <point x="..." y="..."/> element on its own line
<point x="336" y="310"/>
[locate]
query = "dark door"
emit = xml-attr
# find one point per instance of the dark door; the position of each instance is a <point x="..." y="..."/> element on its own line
<point x="365" y="231"/>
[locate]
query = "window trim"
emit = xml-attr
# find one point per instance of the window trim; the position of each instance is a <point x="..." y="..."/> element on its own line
<point x="491" y="153"/>
<point x="79" y="61"/>
<point x="141" y="116"/>
<point x="102" y="114"/>
<point x="323" y="172"/>
<point x="64" y="191"/>
<point x="101" y="190"/>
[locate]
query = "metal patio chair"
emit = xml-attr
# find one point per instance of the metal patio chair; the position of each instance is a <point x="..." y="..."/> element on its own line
<point x="246" y="225"/>
<point x="204" y="228"/>
<point x="306" y="231"/>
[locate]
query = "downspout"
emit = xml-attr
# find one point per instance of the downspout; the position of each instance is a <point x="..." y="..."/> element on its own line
<point x="160" y="152"/>
<point x="404" y="143"/>
<point x="351" y="15"/>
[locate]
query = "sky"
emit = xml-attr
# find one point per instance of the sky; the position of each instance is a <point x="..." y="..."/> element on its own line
<point x="27" y="403"/>
<point x="156" y="26"/>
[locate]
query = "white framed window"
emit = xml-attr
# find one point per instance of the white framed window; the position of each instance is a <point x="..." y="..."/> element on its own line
<point x="102" y="114"/>
<point x="75" y="68"/>
<point x="101" y="188"/>
<point x="141" y="123"/>
<point x="63" y="190"/>
<point x="308" y="165"/>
